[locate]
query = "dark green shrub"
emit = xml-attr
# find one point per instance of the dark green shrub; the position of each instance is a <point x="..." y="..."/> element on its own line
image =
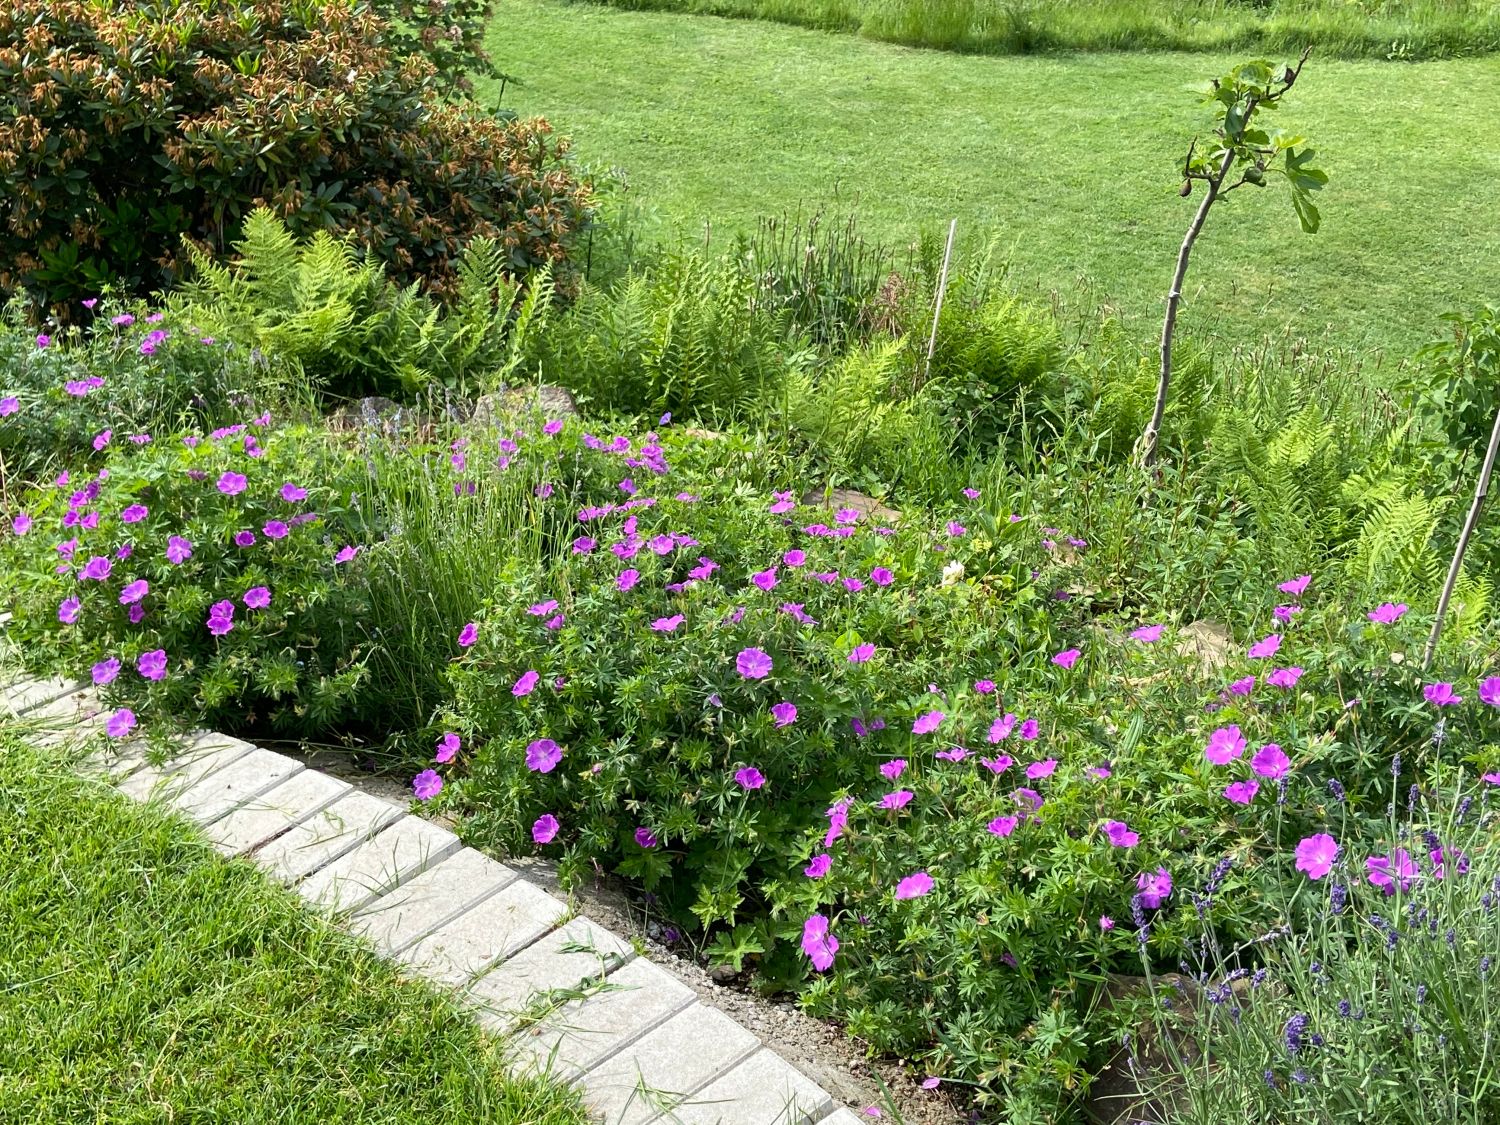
<point x="125" y="127"/>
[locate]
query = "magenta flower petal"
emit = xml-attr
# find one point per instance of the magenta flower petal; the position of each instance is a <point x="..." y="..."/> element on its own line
<point x="753" y="664"/>
<point x="1316" y="855"/>
<point x="915" y="885"/>
<point x="427" y="785"/>
<point x="544" y="831"/>
<point x="543" y="755"/>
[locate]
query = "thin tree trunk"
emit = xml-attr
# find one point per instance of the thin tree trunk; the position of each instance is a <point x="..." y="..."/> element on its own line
<point x="1174" y="297"/>
<point x="1481" y="490"/>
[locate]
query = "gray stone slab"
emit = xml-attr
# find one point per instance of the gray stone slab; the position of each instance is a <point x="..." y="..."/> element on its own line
<point x="422" y="904"/>
<point x="564" y="959"/>
<point x="30" y="693"/>
<point x="765" y="1089"/>
<point x="226" y="789"/>
<point x="408" y="847"/>
<point x="495" y="928"/>
<point x="844" y="1116"/>
<point x="77" y="714"/>
<point x="326" y="835"/>
<point x="584" y="1033"/>
<point x="663" y="1069"/>
<point x="196" y="759"/>
<point x="267" y="816"/>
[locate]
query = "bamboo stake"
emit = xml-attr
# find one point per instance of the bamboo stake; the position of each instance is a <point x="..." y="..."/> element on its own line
<point x="1481" y="490"/>
<point x="937" y="309"/>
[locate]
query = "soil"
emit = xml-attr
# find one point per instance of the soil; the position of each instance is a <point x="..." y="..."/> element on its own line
<point x="819" y="1049"/>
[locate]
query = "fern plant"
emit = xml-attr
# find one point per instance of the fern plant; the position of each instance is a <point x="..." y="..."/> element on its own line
<point x="320" y="305"/>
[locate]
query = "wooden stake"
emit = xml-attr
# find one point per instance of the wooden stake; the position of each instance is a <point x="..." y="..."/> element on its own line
<point x="1481" y="490"/>
<point x="937" y="309"/>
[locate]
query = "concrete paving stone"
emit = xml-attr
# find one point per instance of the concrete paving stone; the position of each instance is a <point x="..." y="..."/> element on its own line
<point x="564" y="959"/>
<point x="73" y="715"/>
<point x="30" y="693"/>
<point x="495" y="928"/>
<point x="326" y="835"/>
<point x="765" y="1089"/>
<point x="844" y="1116"/>
<point x="198" y="757"/>
<point x="267" y="816"/>
<point x="408" y="847"/>
<point x="422" y="904"/>
<point x="664" y="1068"/>
<point x="226" y="789"/>
<point x="635" y="999"/>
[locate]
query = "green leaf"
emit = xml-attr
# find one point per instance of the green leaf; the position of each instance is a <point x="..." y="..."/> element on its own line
<point x="1304" y="180"/>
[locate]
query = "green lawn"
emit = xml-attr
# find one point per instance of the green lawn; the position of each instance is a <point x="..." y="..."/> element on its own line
<point x="1069" y="161"/>
<point x="143" y="979"/>
<point x="1405" y="29"/>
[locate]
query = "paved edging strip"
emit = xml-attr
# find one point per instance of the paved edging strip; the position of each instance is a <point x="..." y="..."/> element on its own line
<point x="572" y="998"/>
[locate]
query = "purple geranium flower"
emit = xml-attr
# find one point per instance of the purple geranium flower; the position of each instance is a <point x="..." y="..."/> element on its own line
<point x="749" y="778"/>
<point x="427" y="785"/>
<point x="753" y="664"/>
<point x="818" y="942"/>
<point x="152" y="665"/>
<point x="257" y="597"/>
<point x="543" y="755"/>
<point x="915" y="885"/>
<point x="544" y="831"/>
<point x="927" y="722"/>
<point x="1120" y="835"/>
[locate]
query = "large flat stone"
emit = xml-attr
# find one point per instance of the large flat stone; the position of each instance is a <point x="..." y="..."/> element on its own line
<point x="843" y="1116"/>
<point x="276" y="811"/>
<point x="582" y="1034"/>
<point x="196" y="760"/>
<point x="28" y="694"/>
<point x="408" y="847"/>
<point x="422" y="904"/>
<point x="660" y="1071"/>
<point x="326" y="835"/>
<point x="763" y="1090"/>
<point x="564" y="959"/>
<point x="227" y="789"/>
<point x="496" y="928"/>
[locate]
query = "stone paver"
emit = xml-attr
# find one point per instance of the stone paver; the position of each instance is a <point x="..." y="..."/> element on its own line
<point x="844" y="1116"/>
<point x="408" y="847"/>
<point x="77" y="714"/>
<point x="227" y="789"/>
<point x="763" y="1090"/>
<point x="195" y="761"/>
<point x="564" y="959"/>
<point x="496" y="928"/>
<point x="582" y="1034"/>
<point x="661" y="1070"/>
<point x="28" y="694"/>
<point x="326" y="835"/>
<point x="277" y="810"/>
<point x="422" y="904"/>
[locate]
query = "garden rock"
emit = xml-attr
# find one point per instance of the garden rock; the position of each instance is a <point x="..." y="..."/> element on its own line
<point x="549" y="401"/>
<point x="1209" y="643"/>
<point x="373" y="413"/>
<point x="847" y="498"/>
<point x="1116" y="1096"/>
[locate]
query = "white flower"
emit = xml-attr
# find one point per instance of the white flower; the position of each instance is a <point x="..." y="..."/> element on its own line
<point x="952" y="572"/>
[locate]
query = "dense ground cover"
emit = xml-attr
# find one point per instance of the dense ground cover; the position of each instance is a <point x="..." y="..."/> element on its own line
<point x="1070" y="164"/>
<point x="145" y="977"/>
<point x="1376" y="29"/>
